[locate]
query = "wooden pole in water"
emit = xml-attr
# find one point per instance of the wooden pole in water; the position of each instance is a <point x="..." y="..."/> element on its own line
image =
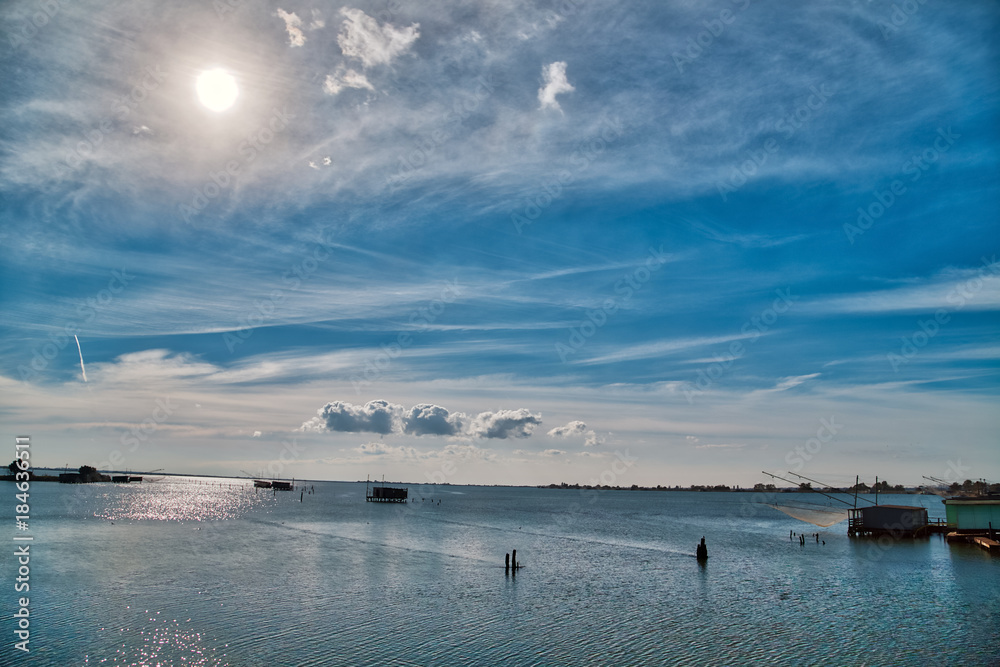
<point x="506" y="563"/>
<point x="513" y="559"/>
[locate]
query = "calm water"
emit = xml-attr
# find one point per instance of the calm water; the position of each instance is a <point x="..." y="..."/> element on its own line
<point x="184" y="572"/>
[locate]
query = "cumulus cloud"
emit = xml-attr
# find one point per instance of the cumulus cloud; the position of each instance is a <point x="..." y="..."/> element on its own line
<point x="346" y="78"/>
<point x="361" y="37"/>
<point x="572" y="428"/>
<point x="553" y="452"/>
<point x="293" y="24"/>
<point x="555" y="83"/>
<point x="505" y="424"/>
<point x="372" y="417"/>
<point x="576" y="428"/>
<point x="426" y="419"/>
<point x="422" y="419"/>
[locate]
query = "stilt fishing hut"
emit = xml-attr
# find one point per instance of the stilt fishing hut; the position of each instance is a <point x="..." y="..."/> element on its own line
<point x="385" y="494"/>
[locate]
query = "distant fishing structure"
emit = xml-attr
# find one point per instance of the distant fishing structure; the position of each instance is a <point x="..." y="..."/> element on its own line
<point x="385" y="494"/>
<point x="818" y="515"/>
<point x="82" y="369"/>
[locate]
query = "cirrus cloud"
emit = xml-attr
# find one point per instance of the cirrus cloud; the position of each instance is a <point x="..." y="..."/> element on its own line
<point x="361" y="37"/>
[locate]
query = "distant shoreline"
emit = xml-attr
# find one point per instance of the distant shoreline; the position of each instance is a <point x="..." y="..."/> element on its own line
<point x="695" y="488"/>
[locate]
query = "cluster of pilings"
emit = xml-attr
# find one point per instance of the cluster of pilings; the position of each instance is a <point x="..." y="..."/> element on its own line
<point x="510" y="561"/>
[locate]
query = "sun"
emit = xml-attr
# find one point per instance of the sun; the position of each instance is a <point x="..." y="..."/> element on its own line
<point x="216" y="89"/>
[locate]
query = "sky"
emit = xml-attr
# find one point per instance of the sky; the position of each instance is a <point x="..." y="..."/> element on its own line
<point x="653" y="243"/>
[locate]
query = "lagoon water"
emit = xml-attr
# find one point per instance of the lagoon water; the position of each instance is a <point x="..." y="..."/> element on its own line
<point x="213" y="572"/>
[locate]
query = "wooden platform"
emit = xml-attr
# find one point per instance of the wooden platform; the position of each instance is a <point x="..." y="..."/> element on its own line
<point x="993" y="546"/>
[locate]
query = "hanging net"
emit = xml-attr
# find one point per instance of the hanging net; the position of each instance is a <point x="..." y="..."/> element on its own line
<point x="818" y="515"/>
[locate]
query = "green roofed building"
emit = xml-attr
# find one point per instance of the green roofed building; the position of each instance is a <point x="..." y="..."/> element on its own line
<point x="973" y="513"/>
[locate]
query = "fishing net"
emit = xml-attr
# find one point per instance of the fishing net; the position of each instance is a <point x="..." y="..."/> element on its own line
<point x="818" y="515"/>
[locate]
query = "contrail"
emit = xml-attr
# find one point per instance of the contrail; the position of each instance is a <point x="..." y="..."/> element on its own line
<point x="84" y="370"/>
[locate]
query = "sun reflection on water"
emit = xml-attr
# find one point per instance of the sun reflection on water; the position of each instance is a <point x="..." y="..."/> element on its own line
<point x="180" y="499"/>
<point x="162" y="642"/>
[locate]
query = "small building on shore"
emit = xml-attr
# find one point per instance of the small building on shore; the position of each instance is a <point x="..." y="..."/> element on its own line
<point x="973" y="513"/>
<point x="891" y="520"/>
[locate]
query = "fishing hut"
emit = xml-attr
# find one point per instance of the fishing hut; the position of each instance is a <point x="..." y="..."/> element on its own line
<point x="281" y="486"/>
<point x="262" y="484"/>
<point x="892" y="520"/>
<point x="385" y="494"/>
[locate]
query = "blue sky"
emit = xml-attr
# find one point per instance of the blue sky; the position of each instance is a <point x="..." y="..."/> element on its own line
<point x="520" y="243"/>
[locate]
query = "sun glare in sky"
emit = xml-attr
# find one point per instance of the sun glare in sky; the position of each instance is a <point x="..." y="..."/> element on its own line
<point x="217" y="89"/>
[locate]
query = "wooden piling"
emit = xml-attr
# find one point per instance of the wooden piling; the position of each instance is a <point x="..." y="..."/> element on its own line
<point x="506" y="563"/>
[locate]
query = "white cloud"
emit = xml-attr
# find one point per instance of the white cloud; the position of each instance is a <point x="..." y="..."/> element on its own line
<point x="505" y="424"/>
<point x="555" y="83"/>
<point x="575" y="428"/>
<point x="426" y="419"/>
<point x="346" y="78"/>
<point x="293" y="24"/>
<point x="790" y="382"/>
<point x="422" y="419"/>
<point x="952" y="289"/>
<point x="373" y="417"/>
<point x="397" y="453"/>
<point x="723" y="446"/>
<point x="572" y="428"/>
<point x="361" y="37"/>
<point x="256" y="434"/>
